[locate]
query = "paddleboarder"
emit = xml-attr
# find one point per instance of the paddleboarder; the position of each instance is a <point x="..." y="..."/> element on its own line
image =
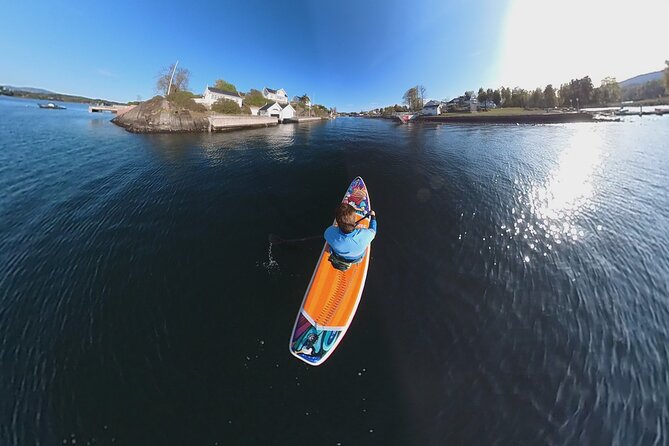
<point x="348" y="243"/>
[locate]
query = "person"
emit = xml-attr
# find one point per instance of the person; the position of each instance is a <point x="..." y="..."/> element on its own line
<point x="347" y="242"/>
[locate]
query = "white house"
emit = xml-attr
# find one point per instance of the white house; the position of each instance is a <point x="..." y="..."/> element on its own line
<point x="473" y="104"/>
<point x="305" y="99"/>
<point x="279" y="95"/>
<point x="281" y="111"/>
<point x="432" y="108"/>
<point x="212" y="95"/>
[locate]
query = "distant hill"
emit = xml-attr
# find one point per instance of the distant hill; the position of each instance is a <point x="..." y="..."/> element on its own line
<point x="641" y="79"/>
<point x="28" y="89"/>
<point x="46" y="95"/>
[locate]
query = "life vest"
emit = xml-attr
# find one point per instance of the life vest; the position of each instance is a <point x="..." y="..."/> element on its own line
<point x="341" y="263"/>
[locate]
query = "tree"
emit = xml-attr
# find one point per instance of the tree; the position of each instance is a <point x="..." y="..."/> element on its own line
<point x="226" y="107"/>
<point x="497" y="98"/>
<point x="666" y="77"/>
<point x="550" y="100"/>
<point x="254" y="98"/>
<point x="413" y="97"/>
<point x="184" y="99"/>
<point x="608" y="92"/>
<point x="482" y="96"/>
<point x="179" y="81"/>
<point x="421" y="95"/>
<point x="506" y="97"/>
<point x="537" y="98"/>
<point x="222" y="84"/>
<point x="519" y="97"/>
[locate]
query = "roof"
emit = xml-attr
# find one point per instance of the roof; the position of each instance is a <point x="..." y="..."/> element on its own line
<point x="270" y="90"/>
<point x="432" y="104"/>
<point x="286" y="105"/>
<point x="219" y="91"/>
<point x="267" y="106"/>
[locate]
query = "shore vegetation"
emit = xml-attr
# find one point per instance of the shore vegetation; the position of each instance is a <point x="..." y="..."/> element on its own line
<point x="179" y="81"/>
<point x="226" y="107"/>
<point x="222" y="84"/>
<point x="184" y="99"/>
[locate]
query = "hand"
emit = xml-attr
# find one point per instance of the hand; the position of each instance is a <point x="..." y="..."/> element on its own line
<point x="372" y="214"/>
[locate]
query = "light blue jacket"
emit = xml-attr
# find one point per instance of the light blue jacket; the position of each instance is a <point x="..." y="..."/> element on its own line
<point x="350" y="246"/>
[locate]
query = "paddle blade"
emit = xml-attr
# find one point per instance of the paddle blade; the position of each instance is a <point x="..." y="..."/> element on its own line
<point x="273" y="238"/>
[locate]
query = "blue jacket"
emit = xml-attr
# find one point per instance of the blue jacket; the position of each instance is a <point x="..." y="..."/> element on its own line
<point x="350" y="246"/>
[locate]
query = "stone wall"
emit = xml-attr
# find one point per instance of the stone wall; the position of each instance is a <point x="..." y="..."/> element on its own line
<point x="224" y="122"/>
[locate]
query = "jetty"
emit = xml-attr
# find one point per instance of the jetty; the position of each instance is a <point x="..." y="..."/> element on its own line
<point x="228" y="122"/>
<point x="116" y="109"/>
<point x="304" y="119"/>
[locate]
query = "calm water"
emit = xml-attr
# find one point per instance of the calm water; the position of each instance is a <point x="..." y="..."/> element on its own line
<point x="518" y="291"/>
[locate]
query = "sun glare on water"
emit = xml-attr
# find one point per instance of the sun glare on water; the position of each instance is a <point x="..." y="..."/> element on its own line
<point x="548" y="210"/>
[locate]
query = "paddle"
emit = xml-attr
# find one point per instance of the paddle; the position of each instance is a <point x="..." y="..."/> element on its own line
<point x="276" y="240"/>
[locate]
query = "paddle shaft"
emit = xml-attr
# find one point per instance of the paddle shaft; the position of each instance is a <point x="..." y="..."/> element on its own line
<point x="277" y="240"/>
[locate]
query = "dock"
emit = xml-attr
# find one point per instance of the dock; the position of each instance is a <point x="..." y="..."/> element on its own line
<point x="305" y="119"/>
<point x="117" y="109"/>
<point x="227" y="122"/>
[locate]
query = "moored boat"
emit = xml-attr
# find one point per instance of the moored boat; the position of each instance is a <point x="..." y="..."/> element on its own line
<point x="405" y="117"/>
<point x="51" y="106"/>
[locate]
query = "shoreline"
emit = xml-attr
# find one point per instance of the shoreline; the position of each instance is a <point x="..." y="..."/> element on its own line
<point x="523" y="118"/>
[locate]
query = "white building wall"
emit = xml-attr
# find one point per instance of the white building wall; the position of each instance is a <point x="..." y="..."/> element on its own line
<point x="288" y="112"/>
<point x="432" y="110"/>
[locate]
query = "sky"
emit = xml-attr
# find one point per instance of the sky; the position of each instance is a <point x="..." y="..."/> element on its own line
<point x="353" y="55"/>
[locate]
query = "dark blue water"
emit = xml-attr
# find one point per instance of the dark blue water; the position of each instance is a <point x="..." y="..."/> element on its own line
<point x="518" y="291"/>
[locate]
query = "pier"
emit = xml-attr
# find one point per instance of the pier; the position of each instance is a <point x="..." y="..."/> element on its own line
<point x="305" y="119"/>
<point x="226" y="122"/>
<point x="117" y="109"/>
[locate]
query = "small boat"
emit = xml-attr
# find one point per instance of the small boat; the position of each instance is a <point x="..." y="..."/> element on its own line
<point x="406" y="117"/>
<point x="51" y="106"/>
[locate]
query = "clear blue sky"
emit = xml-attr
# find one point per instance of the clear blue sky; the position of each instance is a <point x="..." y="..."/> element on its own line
<point x="349" y="54"/>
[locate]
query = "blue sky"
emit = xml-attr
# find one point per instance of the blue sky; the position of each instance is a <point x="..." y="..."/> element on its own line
<point x="349" y="54"/>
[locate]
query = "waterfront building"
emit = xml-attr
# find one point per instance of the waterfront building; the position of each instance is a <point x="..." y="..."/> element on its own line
<point x="280" y="111"/>
<point x="279" y="95"/>
<point x="432" y="108"/>
<point x="212" y="95"/>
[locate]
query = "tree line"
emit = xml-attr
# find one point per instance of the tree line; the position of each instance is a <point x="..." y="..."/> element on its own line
<point x="576" y="93"/>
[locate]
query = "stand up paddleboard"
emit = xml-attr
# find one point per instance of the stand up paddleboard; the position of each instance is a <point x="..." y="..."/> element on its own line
<point x="333" y="296"/>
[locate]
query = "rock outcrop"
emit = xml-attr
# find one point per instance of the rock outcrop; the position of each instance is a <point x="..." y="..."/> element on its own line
<point x="158" y="115"/>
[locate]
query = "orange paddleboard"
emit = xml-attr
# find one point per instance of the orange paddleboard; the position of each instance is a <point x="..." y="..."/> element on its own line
<point x="333" y="296"/>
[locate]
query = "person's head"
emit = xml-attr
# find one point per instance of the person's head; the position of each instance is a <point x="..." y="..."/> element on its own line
<point x="346" y="217"/>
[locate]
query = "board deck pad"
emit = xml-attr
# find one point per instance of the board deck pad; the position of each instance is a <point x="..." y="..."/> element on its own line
<point x="332" y="296"/>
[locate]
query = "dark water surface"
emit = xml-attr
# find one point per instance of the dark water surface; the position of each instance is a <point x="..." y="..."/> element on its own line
<point x="518" y="291"/>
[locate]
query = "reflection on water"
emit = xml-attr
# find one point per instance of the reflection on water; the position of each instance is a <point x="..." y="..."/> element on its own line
<point x="550" y="207"/>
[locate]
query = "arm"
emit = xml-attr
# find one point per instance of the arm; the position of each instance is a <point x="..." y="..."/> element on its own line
<point x="372" y="223"/>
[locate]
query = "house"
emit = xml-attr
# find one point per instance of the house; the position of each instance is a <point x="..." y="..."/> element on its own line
<point x="487" y="104"/>
<point x="432" y="108"/>
<point x="303" y="99"/>
<point x="279" y="95"/>
<point x="280" y="111"/>
<point x="212" y="95"/>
